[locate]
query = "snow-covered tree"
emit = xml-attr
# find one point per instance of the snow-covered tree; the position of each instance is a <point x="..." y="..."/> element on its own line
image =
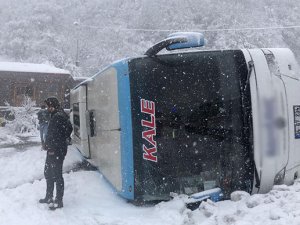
<point x="24" y="117"/>
<point x="107" y="30"/>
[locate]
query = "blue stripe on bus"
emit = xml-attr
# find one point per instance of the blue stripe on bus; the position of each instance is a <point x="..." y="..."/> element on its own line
<point x="126" y="129"/>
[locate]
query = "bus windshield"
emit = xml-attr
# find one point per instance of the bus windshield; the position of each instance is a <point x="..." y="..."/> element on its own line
<point x="203" y="138"/>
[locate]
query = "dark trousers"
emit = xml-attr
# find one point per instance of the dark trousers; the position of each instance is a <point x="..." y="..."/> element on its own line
<point x="53" y="175"/>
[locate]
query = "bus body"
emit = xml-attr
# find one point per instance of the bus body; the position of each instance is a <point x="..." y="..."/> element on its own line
<point x="189" y="122"/>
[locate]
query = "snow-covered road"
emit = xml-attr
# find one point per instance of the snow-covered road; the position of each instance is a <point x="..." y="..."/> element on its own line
<point x="90" y="200"/>
<point x="88" y="197"/>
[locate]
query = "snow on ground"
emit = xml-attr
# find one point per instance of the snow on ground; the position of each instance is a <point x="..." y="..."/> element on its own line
<point x="279" y="206"/>
<point x="28" y="165"/>
<point x="8" y="137"/>
<point x="90" y="200"/>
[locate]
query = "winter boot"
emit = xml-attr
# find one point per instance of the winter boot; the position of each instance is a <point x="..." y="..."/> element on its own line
<point x="56" y="205"/>
<point x="46" y="200"/>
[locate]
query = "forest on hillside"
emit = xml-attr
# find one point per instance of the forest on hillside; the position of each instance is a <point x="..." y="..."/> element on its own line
<point x="94" y="33"/>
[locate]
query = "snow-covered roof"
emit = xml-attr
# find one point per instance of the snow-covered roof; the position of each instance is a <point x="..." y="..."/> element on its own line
<point x="80" y="78"/>
<point x="30" y="67"/>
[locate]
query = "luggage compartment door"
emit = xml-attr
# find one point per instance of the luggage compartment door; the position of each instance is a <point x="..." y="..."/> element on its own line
<point x="78" y="118"/>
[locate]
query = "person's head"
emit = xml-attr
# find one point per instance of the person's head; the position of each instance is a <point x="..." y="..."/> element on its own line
<point x="52" y="104"/>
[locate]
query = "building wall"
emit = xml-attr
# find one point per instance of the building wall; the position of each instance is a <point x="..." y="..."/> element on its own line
<point x="38" y="86"/>
<point x="4" y="91"/>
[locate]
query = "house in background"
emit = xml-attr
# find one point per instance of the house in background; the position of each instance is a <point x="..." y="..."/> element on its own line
<point x="37" y="81"/>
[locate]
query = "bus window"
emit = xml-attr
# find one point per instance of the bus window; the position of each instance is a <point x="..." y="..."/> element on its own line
<point x="76" y="119"/>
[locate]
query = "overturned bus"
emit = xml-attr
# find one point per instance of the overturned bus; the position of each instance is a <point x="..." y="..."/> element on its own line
<point x="192" y="121"/>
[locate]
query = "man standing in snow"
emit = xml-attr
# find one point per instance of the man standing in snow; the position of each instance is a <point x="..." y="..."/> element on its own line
<point x="59" y="130"/>
<point x="43" y="117"/>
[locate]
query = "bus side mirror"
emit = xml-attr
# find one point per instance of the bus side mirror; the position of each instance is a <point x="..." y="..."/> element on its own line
<point x="177" y="40"/>
<point x="91" y="123"/>
<point x="193" y="40"/>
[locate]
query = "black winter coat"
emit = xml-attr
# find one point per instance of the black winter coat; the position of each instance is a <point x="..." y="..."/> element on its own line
<point x="56" y="135"/>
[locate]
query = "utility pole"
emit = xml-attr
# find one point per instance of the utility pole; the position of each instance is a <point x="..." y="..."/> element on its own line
<point x="76" y="24"/>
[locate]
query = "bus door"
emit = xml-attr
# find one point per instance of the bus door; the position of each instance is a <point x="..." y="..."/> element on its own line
<point x="269" y="120"/>
<point x="79" y="107"/>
